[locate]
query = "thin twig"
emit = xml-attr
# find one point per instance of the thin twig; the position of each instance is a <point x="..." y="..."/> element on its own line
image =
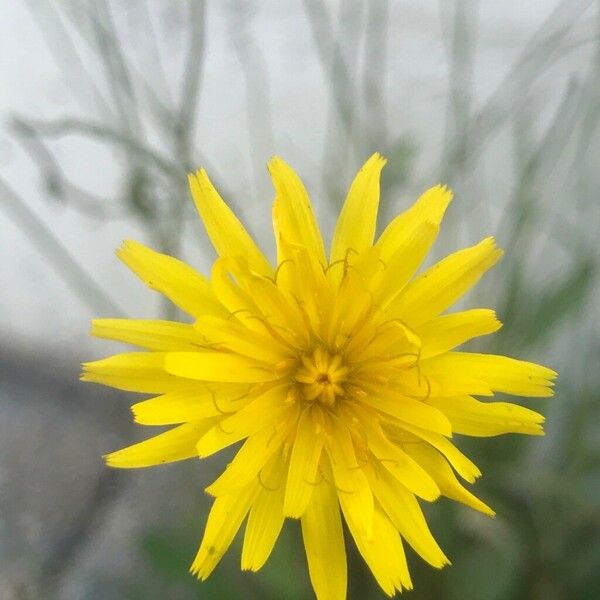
<point x="60" y="43"/>
<point x="344" y="96"/>
<point x="254" y="69"/>
<point x="543" y="49"/>
<point x="99" y="130"/>
<point x="57" y="182"/>
<point x="118" y="72"/>
<point x="332" y="61"/>
<point x="144" y="18"/>
<point x="374" y="74"/>
<point x="191" y="89"/>
<point x="461" y="55"/>
<point x="57" y="254"/>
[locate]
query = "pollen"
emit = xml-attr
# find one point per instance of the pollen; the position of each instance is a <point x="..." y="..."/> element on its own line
<point x="321" y="376"/>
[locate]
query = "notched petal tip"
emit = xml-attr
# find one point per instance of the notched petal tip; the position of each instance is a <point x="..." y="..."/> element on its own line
<point x="498" y="322"/>
<point x="86" y="371"/>
<point x="491" y="241"/>
<point x="125" y="246"/>
<point x="93" y="327"/>
<point x="200" y="172"/>
<point x="445" y="562"/>
<point x="97" y="326"/>
<point x="200" y="185"/>
<point x="138" y="416"/>
<point x="377" y="157"/>
<point x="498" y="252"/>
<point x="118" y="460"/>
<point x="442" y="189"/>
<point x="199" y="181"/>
<point x="375" y="163"/>
<point x="275" y="162"/>
<point x="195" y="570"/>
<point x="438" y="198"/>
<point x="112" y="459"/>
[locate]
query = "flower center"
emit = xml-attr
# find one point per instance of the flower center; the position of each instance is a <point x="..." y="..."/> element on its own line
<point x="320" y="377"/>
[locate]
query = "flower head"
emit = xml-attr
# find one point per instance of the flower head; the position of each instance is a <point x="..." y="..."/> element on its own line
<point x="337" y="375"/>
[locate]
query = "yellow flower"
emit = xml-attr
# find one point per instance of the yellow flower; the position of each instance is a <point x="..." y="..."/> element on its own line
<point x="338" y="374"/>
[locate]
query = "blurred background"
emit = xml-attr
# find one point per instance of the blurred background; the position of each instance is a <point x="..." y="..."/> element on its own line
<point x="105" y="106"/>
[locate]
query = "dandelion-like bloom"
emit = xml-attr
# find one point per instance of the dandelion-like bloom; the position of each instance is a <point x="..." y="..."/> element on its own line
<point x="337" y="374"/>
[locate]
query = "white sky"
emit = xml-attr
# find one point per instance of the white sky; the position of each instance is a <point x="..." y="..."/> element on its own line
<point x="38" y="309"/>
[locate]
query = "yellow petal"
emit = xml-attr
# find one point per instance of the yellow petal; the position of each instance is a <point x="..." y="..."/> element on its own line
<point x="500" y="373"/>
<point x="293" y="215"/>
<point x="265" y="410"/>
<point x="218" y="366"/>
<point x="462" y="464"/>
<point x="302" y="280"/>
<point x="356" y="224"/>
<point x="227" y="234"/>
<point x="383" y="552"/>
<point x="179" y="282"/>
<point x="406" y="515"/>
<point x="266" y="518"/>
<point x="348" y="310"/>
<point x="240" y="339"/>
<point x="389" y="339"/>
<point x="238" y="303"/>
<point x="266" y="296"/>
<point x="407" y="410"/>
<point x="397" y="462"/>
<point x="367" y="264"/>
<point x="253" y="456"/>
<point x="429" y="208"/>
<point x="304" y="462"/>
<point x="421" y="383"/>
<point x="178" y="443"/>
<point x="440" y="286"/>
<point x="135" y="372"/>
<point x="435" y="464"/>
<point x="153" y="335"/>
<point x="402" y="264"/>
<point x="446" y="332"/>
<point x="485" y="419"/>
<point x="351" y="482"/>
<point x="224" y="520"/>
<point x="323" y="538"/>
<point x="189" y="405"/>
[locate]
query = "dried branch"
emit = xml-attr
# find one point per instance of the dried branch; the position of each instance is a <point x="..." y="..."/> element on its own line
<point x="191" y="89"/>
<point x="254" y="70"/>
<point x="60" y="257"/>
<point x="375" y="73"/>
<point x="57" y="182"/>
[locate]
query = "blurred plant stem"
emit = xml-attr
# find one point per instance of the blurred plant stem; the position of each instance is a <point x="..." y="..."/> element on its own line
<point x="375" y="76"/>
<point x="342" y="146"/>
<point x="461" y="51"/>
<point x="56" y="253"/>
<point x="261" y="138"/>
